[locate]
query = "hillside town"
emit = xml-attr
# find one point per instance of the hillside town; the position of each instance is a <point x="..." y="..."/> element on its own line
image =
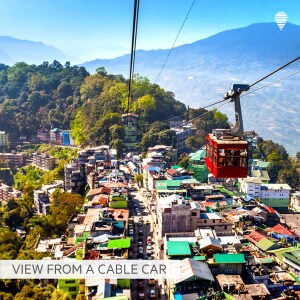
<point x="235" y="238"/>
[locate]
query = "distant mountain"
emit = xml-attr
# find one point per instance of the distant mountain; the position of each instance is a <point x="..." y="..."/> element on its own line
<point x="14" y="50"/>
<point x="200" y="73"/>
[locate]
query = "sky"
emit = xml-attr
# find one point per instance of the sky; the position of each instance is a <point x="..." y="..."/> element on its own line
<point x="91" y="29"/>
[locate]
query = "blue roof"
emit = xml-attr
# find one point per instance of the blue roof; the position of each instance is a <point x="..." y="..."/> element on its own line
<point x="249" y="198"/>
<point x="157" y="169"/>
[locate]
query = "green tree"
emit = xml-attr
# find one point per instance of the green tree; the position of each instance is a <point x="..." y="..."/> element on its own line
<point x="184" y="161"/>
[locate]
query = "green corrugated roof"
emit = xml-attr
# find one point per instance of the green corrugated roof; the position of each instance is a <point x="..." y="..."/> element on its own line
<point x="167" y="183"/>
<point x="262" y="164"/>
<point x="178" y="248"/>
<point x="223" y="190"/>
<point x="119" y="243"/>
<point x="199" y="154"/>
<point x="199" y="257"/>
<point x="190" y="180"/>
<point x="264" y="244"/>
<point x="175" y="167"/>
<point x="229" y="258"/>
<point x="295" y="277"/>
<point x="291" y="257"/>
<point x="265" y="260"/>
<point x="279" y="252"/>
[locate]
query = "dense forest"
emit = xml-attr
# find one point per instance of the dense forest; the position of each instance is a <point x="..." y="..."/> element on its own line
<point x="54" y="95"/>
<point x="38" y="97"/>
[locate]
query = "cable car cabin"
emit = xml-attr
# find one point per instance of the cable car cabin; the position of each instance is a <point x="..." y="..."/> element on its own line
<point x="226" y="156"/>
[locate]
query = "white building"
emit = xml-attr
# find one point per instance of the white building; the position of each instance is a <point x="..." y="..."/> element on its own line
<point x="276" y="195"/>
<point x="251" y="186"/>
<point x="3" y="138"/>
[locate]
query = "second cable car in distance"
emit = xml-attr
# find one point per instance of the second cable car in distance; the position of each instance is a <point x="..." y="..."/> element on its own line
<point x="226" y="151"/>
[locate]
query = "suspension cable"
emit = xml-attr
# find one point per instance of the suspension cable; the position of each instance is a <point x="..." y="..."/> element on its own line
<point x="133" y="49"/>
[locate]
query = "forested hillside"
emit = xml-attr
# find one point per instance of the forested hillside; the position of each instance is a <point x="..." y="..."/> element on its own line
<point x="52" y="95"/>
<point x="38" y="97"/>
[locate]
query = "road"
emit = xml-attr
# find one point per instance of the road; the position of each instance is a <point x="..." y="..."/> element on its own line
<point x="147" y="227"/>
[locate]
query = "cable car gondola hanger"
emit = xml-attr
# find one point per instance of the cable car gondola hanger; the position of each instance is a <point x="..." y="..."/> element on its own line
<point x="227" y="152"/>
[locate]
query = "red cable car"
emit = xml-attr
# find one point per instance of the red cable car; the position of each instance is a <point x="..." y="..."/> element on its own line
<point x="226" y="151"/>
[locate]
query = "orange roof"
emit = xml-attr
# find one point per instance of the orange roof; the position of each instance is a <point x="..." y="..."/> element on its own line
<point x="254" y="237"/>
<point x="100" y="199"/>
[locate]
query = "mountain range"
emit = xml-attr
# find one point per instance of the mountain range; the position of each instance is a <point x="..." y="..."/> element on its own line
<point x="15" y="50"/>
<point x="201" y="72"/>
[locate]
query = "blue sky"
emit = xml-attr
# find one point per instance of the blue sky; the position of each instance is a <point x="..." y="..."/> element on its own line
<point x="90" y="29"/>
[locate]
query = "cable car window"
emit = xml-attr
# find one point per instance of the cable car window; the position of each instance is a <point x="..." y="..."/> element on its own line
<point x="243" y="158"/>
<point x="215" y="155"/>
<point x="221" y="158"/>
<point x="233" y="158"/>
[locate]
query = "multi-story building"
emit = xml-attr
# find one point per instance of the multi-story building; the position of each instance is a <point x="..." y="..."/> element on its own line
<point x="65" y="138"/>
<point x="3" y="138"/>
<point x="7" y="192"/>
<point x="251" y="186"/>
<point x="276" y="196"/>
<point x="41" y="202"/>
<point x="197" y="165"/>
<point x="16" y="159"/>
<point x="174" y="214"/>
<point x="42" y="136"/>
<point x="61" y="137"/>
<point x="43" y="161"/>
<point x="182" y="133"/>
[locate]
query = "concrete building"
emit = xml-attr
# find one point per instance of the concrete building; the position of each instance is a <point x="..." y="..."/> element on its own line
<point x="276" y="196"/>
<point x="251" y="186"/>
<point x="41" y="202"/>
<point x="182" y="133"/>
<point x="175" y="214"/>
<point x="7" y="192"/>
<point x="43" y="161"/>
<point x="197" y="165"/>
<point x="16" y="159"/>
<point x="3" y="138"/>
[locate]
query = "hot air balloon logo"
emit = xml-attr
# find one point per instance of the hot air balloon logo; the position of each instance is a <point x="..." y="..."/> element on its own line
<point x="281" y="18"/>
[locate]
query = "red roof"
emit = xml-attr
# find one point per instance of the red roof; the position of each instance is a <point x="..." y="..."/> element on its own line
<point x="171" y="171"/>
<point x="101" y="190"/>
<point x="270" y="210"/>
<point x="282" y="230"/>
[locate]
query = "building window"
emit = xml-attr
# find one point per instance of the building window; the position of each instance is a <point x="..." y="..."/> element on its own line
<point x="205" y="221"/>
<point x="70" y="281"/>
<point x="194" y="214"/>
<point x="72" y="289"/>
<point x="225" y="227"/>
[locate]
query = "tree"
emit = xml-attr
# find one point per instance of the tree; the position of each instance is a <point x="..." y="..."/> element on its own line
<point x="63" y="206"/>
<point x="289" y="176"/>
<point x="184" y="162"/>
<point x="101" y="71"/>
<point x="119" y="146"/>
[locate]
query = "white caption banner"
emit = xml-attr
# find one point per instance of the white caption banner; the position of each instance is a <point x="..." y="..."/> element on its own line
<point x="79" y="269"/>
